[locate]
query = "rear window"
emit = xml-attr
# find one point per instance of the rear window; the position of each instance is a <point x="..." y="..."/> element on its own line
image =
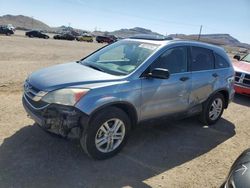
<point x="202" y="59"/>
<point x="220" y="62"/>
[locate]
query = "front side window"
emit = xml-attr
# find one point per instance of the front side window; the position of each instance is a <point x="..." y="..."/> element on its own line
<point x="202" y="59"/>
<point x="174" y="60"/>
<point x="120" y="58"/>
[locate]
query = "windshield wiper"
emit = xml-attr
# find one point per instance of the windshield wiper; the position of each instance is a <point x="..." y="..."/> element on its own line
<point x="94" y="67"/>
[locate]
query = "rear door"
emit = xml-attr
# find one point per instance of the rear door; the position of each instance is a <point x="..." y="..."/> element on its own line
<point x="204" y="76"/>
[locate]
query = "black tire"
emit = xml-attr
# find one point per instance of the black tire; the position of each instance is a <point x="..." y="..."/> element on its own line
<point x="89" y="134"/>
<point x="207" y="106"/>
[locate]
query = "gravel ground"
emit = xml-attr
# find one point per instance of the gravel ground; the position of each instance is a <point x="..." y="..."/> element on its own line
<point x="168" y="153"/>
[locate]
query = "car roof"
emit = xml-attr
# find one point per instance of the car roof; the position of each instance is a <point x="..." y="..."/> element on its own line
<point x="179" y="41"/>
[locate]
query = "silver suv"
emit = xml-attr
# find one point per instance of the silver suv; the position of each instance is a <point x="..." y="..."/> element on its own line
<point x="100" y="98"/>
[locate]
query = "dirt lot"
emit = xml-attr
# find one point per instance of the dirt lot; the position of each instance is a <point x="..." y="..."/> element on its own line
<point x="164" y="154"/>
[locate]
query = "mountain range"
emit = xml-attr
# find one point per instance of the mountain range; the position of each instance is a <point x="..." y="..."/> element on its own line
<point x="27" y="23"/>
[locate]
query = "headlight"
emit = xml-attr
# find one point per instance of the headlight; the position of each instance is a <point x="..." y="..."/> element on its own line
<point x="66" y="96"/>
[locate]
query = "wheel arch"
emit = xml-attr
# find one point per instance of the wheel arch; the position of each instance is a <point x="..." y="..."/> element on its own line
<point x="128" y="108"/>
<point x="225" y="94"/>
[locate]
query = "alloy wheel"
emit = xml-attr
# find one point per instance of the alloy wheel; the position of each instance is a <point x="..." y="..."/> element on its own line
<point x="215" y="109"/>
<point x="110" y="135"/>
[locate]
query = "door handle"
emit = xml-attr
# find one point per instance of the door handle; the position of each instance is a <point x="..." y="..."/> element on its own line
<point x="215" y="75"/>
<point x="184" y="79"/>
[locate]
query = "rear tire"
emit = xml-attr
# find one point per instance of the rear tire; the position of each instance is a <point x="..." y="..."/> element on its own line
<point x="212" y="109"/>
<point x="106" y="134"/>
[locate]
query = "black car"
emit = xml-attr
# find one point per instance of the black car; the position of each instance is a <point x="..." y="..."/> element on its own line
<point x="66" y="36"/>
<point x="107" y="39"/>
<point x="5" y="30"/>
<point x="239" y="175"/>
<point x="37" y="34"/>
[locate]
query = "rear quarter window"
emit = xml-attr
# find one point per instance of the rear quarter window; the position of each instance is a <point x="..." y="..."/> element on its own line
<point x="220" y="62"/>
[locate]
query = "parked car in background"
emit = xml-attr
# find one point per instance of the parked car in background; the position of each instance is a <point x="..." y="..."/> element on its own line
<point x="85" y="37"/>
<point x="107" y="39"/>
<point x="66" y="36"/>
<point x="101" y="97"/>
<point x="10" y="26"/>
<point x="6" y="30"/>
<point x="239" y="174"/>
<point x="36" y="34"/>
<point x="242" y="74"/>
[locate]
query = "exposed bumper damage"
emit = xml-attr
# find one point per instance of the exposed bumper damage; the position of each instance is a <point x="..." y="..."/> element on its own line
<point x="65" y="121"/>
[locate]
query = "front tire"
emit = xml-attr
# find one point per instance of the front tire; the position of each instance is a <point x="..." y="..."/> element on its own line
<point x="106" y="134"/>
<point x="213" y="109"/>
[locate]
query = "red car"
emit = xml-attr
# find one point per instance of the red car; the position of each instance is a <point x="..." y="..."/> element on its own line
<point x="242" y="74"/>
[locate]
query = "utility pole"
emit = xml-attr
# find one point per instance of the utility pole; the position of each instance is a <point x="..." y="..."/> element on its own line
<point x="32" y="22"/>
<point x="200" y="32"/>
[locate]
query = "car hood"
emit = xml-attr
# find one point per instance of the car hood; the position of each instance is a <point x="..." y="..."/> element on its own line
<point x="68" y="75"/>
<point x="242" y="66"/>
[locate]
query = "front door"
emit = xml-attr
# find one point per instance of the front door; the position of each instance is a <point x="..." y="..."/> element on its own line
<point x="167" y="96"/>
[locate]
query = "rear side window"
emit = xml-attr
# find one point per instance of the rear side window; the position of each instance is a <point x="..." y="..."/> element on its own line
<point x="202" y="59"/>
<point x="220" y="62"/>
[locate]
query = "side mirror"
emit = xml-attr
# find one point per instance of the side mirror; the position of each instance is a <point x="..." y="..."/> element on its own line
<point x="159" y="73"/>
<point x="237" y="57"/>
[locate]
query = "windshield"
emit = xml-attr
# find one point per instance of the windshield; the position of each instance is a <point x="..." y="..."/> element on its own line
<point x="120" y="58"/>
<point x="246" y="58"/>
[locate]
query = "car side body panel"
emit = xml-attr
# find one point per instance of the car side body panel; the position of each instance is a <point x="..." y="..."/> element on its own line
<point x="126" y="92"/>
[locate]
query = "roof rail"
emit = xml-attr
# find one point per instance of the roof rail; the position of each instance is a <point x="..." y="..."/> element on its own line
<point x="151" y="37"/>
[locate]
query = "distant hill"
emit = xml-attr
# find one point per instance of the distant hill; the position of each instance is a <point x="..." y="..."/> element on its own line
<point x="23" y="22"/>
<point x="26" y="23"/>
<point x="125" y="33"/>
<point x="63" y="29"/>
<point x="133" y="31"/>
<point x="217" y="39"/>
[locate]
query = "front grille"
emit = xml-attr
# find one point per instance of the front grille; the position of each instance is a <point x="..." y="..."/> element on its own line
<point x="30" y="90"/>
<point x="33" y="96"/>
<point x="35" y="104"/>
<point x="242" y="79"/>
<point x="237" y="76"/>
<point x="246" y="81"/>
<point x="247" y="76"/>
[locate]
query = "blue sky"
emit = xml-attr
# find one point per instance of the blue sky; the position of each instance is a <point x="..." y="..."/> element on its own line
<point x="163" y="16"/>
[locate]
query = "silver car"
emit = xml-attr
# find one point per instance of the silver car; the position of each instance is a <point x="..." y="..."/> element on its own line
<point x="100" y="98"/>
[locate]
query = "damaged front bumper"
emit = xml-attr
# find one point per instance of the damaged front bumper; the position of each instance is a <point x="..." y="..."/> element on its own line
<point x="66" y="121"/>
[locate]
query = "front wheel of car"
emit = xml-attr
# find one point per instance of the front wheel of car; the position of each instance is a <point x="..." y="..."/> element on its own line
<point x="106" y="134"/>
<point x="213" y="109"/>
